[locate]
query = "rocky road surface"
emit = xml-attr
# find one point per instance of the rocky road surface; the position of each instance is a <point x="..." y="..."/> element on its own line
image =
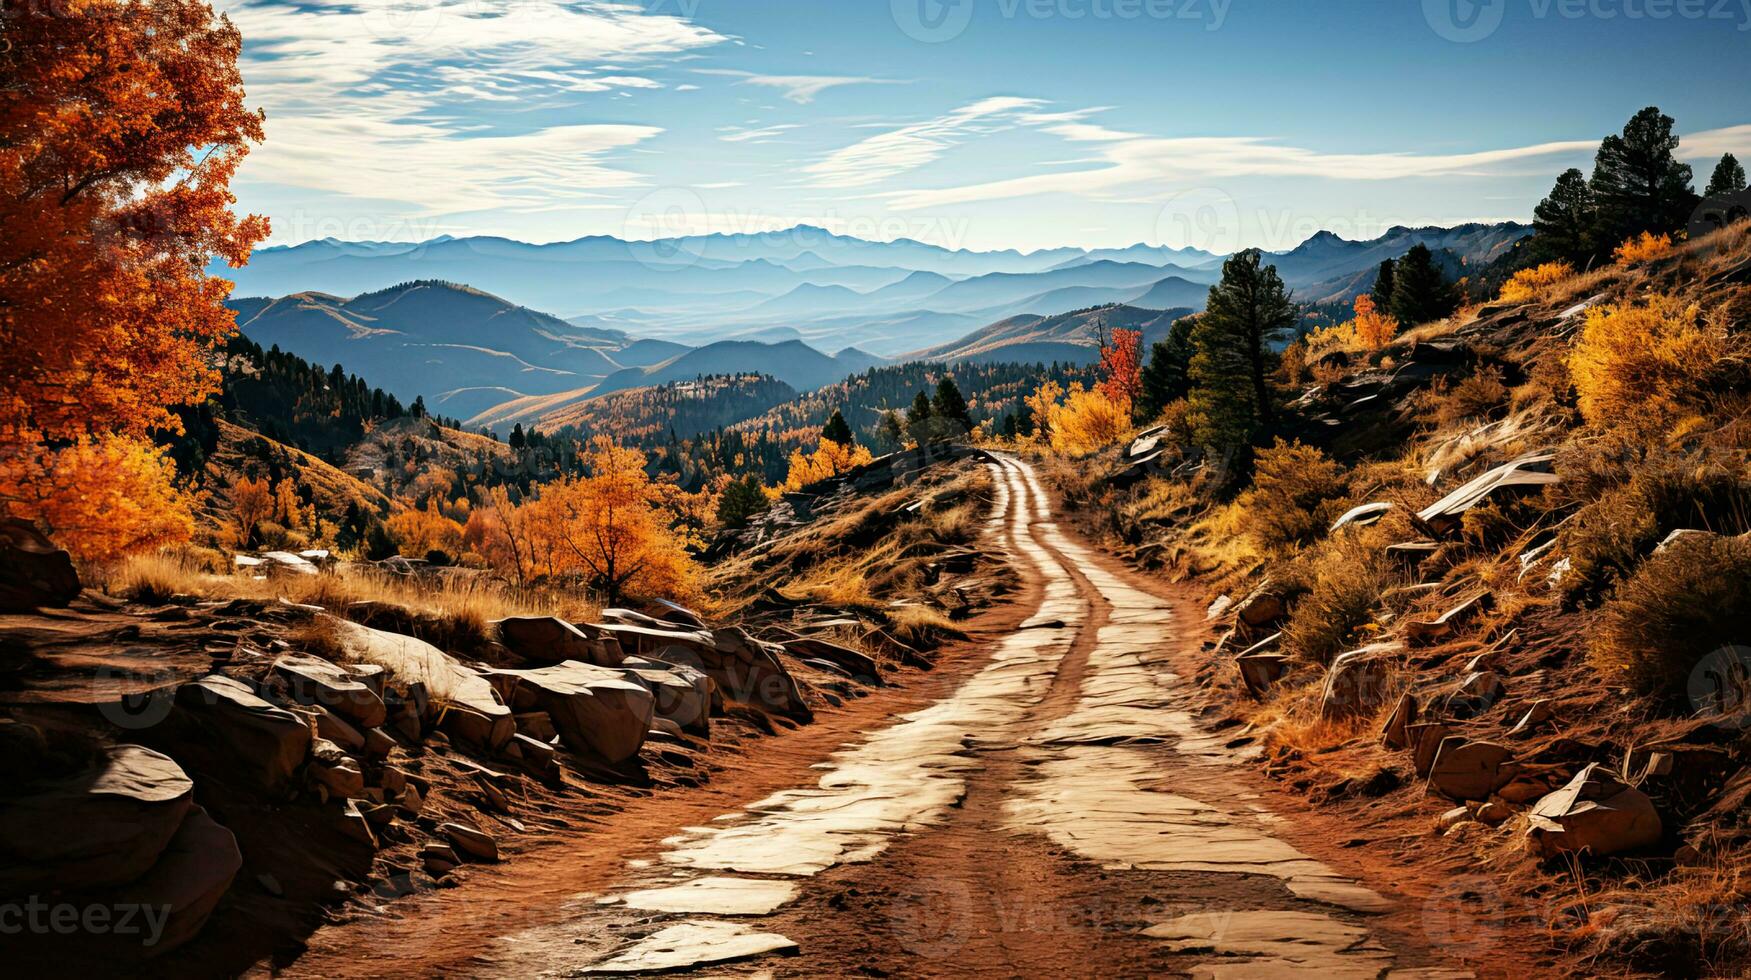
<point x="1053" y="815"/>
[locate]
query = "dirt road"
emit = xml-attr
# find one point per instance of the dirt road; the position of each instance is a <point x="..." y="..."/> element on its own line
<point x="1051" y="814"/>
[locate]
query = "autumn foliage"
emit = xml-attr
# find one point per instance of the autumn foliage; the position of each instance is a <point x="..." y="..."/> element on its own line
<point x="1078" y="420"/>
<point x="121" y="124"/>
<point x="609" y="527"/>
<point x="1528" y="284"/>
<point x="1121" y="367"/>
<point x="1652" y="358"/>
<point x="1642" y="248"/>
<point x="826" y="462"/>
<point x="1374" y="329"/>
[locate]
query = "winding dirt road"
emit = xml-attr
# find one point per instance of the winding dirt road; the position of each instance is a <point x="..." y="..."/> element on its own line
<point x="1052" y="815"/>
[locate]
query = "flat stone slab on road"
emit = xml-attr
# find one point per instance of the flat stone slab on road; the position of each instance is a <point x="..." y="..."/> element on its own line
<point x="693" y="944"/>
<point x="714" y="896"/>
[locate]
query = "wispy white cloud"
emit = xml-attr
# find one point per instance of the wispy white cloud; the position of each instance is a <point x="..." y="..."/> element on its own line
<point x="737" y="134"/>
<point x="382" y="99"/>
<point x="800" y="89"/>
<point x="898" y="151"/>
<point x="1129" y="161"/>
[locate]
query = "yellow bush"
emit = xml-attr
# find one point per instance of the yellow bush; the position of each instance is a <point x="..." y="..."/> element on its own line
<point x="1641" y="249"/>
<point x="1088" y="421"/>
<point x="1652" y="357"/>
<point x="825" y="463"/>
<point x="1296" y="493"/>
<point x="1532" y="283"/>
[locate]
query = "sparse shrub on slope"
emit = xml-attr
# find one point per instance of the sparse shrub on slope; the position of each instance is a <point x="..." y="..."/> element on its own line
<point x="1297" y="491"/>
<point x="1663" y="493"/>
<point x="1642" y="248"/>
<point x="1529" y="284"/>
<point x="1688" y="601"/>
<point x="1345" y="584"/>
<point x="1649" y="359"/>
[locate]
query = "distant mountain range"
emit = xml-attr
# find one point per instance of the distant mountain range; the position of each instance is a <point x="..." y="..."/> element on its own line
<point x="642" y="313"/>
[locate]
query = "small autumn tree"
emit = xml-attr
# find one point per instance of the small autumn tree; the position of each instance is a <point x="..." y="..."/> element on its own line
<point x="121" y="124"/>
<point x="252" y="502"/>
<point x="612" y="529"/>
<point x="1121" y="367"/>
<point x="1374" y="328"/>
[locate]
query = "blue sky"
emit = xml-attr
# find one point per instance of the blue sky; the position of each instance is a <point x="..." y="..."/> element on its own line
<point x="968" y="123"/>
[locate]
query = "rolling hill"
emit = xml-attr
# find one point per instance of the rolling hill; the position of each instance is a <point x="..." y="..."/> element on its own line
<point x="1065" y="338"/>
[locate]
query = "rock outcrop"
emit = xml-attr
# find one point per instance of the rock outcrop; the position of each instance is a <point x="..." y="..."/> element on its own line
<point x="595" y="710"/>
<point x="1595" y="812"/>
<point x="265" y="742"/>
<point x="33" y="572"/>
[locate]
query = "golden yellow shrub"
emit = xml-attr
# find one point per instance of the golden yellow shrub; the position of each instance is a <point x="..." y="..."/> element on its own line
<point x="1532" y="283"/>
<point x="1652" y="357"/>
<point x="830" y="460"/>
<point x="1088" y="421"/>
<point x="1642" y="249"/>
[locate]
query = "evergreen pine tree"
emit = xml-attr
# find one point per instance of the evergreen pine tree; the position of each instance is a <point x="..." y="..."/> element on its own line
<point x="1638" y="184"/>
<point x="836" y="429"/>
<point x="1164" y="377"/>
<point x="918" y="419"/>
<point x="518" y="441"/>
<point x="1565" y="220"/>
<point x="1728" y="178"/>
<point x="1247" y="313"/>
<point x="1383" y="280"/>
<point x="1421" y="292"/>
<point x="740" y="501"/>
<point x="949" y="405"/>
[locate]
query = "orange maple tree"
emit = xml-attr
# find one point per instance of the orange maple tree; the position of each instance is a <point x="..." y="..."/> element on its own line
<point x="1374" y="329"/>
<point x="121" y="125"/>
<point x="1121" y="367"/>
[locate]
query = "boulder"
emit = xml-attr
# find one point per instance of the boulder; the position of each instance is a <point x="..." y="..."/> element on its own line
<point x="1266" y="605"/>
<point x="1477" y="693"/>
<point x="1261" y="667"/>
<point x="310" y="680"/>
<point x="100" y="827"/>
<point x="335" y="771"/>
<point x="1524" y="475"/>
<point x="337" y="730"/>
<point x="551" y="640"/>
<point x="1425" y="740"/>
<point x="594" y="709"/>
<point x="1395" y="734"/>
<point x="188" y="881"/>
<point x="1596" y="813"/>
<point x="270" y="742"/>
<point x="683" y="694"/>
<point x="537" y="756"/>
<point x="1431" y="631"/>
<point x="33" y="572"/>
<point x="470" y="842"/>
<point x="858" y="666"/>
<point x="676" y="613"/>
<point x="1356" y="681"/>
<point x="1468" y="770"/>
<point x="744" y="669"/>
<point x="468" y="706"/>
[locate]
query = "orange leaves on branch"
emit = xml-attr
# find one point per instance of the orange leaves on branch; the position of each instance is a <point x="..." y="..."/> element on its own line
<point x="830" y="460"/>
<point x="1640" y="249"/>
<point x="252" y="502"/>
<point x="1121" y="367"/>
<point x="121" y="124"/>
<point x="1373" y="329"/>
<point x="1532" y="283"/>
<point x="418" y="533"/>
<point x="102" y="498"/>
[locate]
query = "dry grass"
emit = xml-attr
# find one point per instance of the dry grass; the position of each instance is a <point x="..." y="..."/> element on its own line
<point x="1681" y="605"/>
<point x="465" y="601"/>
